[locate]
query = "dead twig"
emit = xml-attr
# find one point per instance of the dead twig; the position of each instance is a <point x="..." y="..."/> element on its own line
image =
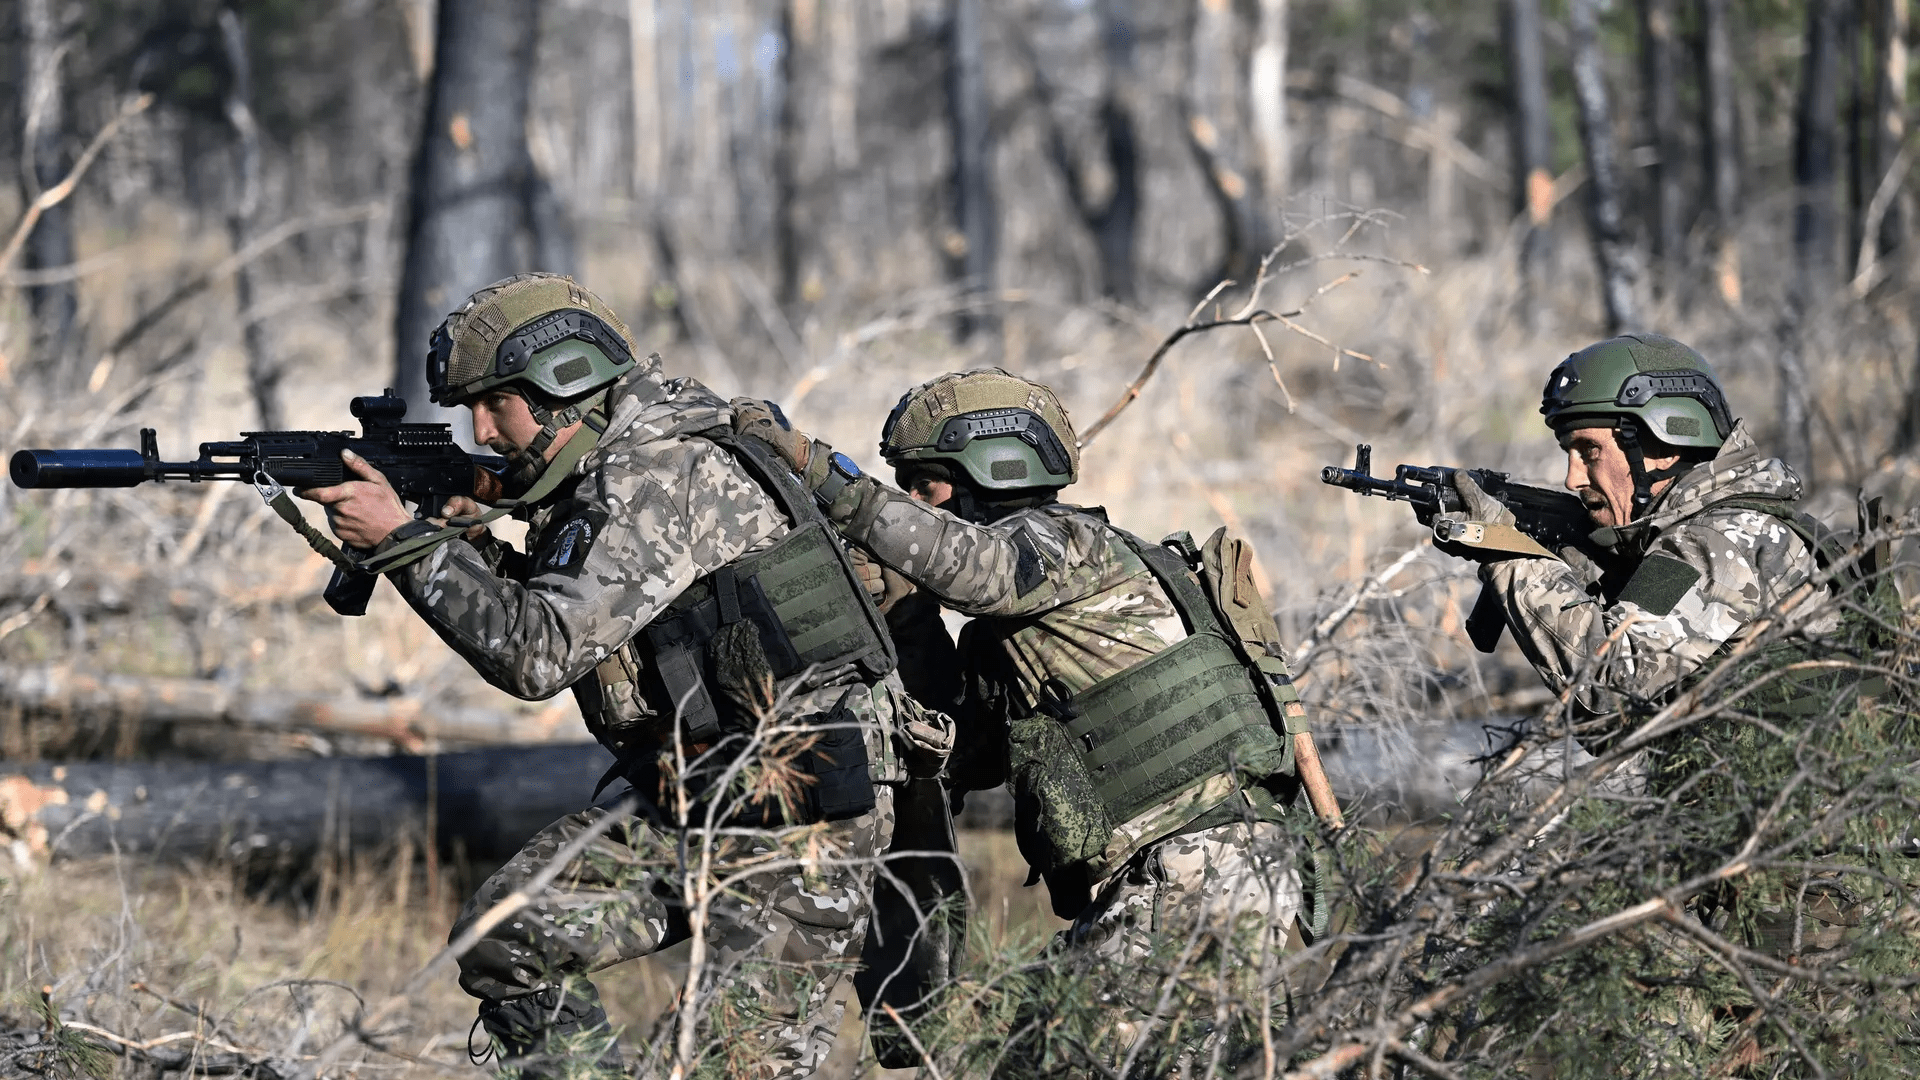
<point x="58" y="193"/>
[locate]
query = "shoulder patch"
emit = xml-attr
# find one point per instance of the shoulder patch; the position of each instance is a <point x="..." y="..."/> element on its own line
<point x="1028" y="571"/>
<point x="1659" y="582"/>
<point x="567" y="551"/>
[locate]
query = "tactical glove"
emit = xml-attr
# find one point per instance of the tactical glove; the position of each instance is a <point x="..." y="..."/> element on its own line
<point x="804" y="454"/>
<point x="1485" y="531"/>
<point x="884" y="584"/>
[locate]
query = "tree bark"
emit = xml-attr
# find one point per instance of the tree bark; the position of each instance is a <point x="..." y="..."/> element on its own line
<point x="263" y="367"/>
<point x="286" y="812"/>
<point x="971" y="123"/>
<point x="1814" y="172"/>
<point x="1530" y="131"/>
<point x="1610" y="248"/>
<point x="1662" y="118"/>
<point x="54" y="306"/>
<point x="1217" y="129"/>
<point x="471" y="177"/>
<point x="1720" y="134"/>
<point x="1267" y="82"/>
<point x="1890" y="20"/>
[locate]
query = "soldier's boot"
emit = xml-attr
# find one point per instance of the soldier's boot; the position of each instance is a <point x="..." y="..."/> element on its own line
<point x="554" y="1035"/>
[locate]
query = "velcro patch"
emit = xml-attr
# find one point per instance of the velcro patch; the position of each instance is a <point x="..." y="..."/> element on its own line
<point x="1028" y="571"/>
<point x="1659" y="583"/>
<point x="567" y="551"/>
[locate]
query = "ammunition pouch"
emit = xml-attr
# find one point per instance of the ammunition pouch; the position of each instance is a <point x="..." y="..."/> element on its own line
<point x="1208" y="705"/>
<point x="718" y="657"/>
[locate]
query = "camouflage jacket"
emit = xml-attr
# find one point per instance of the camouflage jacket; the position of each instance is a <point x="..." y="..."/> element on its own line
<point x="651" y="509"/>
<point x="1746" y="561"/>
<point x="1056" y="593"/>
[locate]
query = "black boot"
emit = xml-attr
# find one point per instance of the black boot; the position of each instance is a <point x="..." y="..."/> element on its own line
<point x="552" y="1034"/>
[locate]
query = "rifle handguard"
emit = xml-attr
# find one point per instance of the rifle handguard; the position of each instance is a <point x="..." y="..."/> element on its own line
<point x="1491" y="539"/>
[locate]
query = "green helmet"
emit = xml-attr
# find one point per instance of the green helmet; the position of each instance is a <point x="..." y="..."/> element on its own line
<point x="540" y="332"/>
<point x="1665" y="388"/>
<point x="996" y="430"/>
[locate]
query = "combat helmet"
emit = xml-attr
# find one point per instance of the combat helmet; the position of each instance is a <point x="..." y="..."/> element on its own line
<point x="544" y="336"/>
<point x="1654" y="392"/>
<point x="1001" y="434"/>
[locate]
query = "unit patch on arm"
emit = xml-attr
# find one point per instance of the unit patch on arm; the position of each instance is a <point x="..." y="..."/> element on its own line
<point x="567" y="551"/>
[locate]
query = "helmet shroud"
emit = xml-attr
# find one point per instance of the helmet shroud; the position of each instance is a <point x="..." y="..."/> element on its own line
<point x="1000" y="433"/>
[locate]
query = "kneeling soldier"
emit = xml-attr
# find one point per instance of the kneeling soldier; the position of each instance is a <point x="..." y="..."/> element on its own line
<point x="678" y="580"/>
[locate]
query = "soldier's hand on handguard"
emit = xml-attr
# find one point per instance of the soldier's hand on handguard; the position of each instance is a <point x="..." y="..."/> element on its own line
<point x="361" y="511"/>
<point x="1485" y="530"/>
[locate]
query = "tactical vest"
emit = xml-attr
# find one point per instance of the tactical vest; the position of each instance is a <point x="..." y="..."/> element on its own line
<point x="722" y="651"/>
<point x="1203" y="707"/>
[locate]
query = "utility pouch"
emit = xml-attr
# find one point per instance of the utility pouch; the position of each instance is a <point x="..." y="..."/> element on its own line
<point x="684" y="661"/>
<point x="1226" y="573"/>
<point x="841" y="775"/>
<point x="1059" y="816"/>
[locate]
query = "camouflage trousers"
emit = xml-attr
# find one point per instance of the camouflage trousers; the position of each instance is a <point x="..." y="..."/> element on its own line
<point x="1237" y="882"/>
<point x="1181" y="948"/>
<point x="777" y="940"/>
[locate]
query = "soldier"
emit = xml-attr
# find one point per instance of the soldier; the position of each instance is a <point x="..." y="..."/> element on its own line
<point x="1148" y="776"/>
<point x="673" y="570"/>
<point x="1704" y="529"/>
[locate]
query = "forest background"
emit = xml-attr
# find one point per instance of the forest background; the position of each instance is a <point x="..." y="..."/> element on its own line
<point x="235" y="216"/>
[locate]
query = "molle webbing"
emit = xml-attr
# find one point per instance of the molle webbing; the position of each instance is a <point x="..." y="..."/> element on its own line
<point x="801" y="598"/>
<point x="812" y="583"/>
<point x="1174" y="718"/>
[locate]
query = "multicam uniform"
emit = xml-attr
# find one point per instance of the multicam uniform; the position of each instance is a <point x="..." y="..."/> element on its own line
<point x="1061" y="602"/>
<point x="652" y="510"/>
<point x="1709" y="570"/>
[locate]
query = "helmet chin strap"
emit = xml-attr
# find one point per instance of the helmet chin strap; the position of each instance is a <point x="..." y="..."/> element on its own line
<point x="527" y="465"/>
<point x="1628" y="436"/>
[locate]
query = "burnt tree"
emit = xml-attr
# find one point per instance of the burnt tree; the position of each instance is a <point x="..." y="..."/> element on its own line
<point x="1719" y="130"/>
<point x="1530" y="129"/>
<point x="1604" y="221"/>
<point x="263" y="368"/>
<point x="1662" y="107"/>
<point x="974" y="244"/>
<point x="478" y="209"/>
<point x="53" y="304"/>
<point x="1815" y="166"/>
<point x="1890" y="20"/>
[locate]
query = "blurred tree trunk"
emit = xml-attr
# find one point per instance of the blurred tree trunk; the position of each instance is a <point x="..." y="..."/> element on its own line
<point x="643" y="31"/>
<point x="1889" y="121"/>
<point x="1267" y="82"/>
<point x="43" y="133"/>
<point x="1720" y="135"/>
<point x="1114" y="225"/>
<point x="1610" y="247"/>
<point x="970" y="120"/>
<point x="1217" y="129"/>
<point x="1814" y="239"/>
<point x="263" y="368"/>
<point x="471" y="175"/>
<point x="1530" y="124"/>
<point x="1662" y="117"/>
<point x="1853" y="127"/>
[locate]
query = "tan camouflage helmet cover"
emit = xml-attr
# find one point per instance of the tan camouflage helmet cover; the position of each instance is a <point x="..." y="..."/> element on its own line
<point x="540" y="330"/>
<point x="1002" y="431"/>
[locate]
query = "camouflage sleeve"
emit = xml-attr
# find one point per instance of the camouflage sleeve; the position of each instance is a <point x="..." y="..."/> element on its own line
<point x="1744" y="561"/>
<point x="636" y="532"/>
<point x="1024" y="565"/>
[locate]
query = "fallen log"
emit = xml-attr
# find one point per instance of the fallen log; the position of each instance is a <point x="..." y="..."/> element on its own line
<point x="153" y="700"/>
<point x="488" y="800"/>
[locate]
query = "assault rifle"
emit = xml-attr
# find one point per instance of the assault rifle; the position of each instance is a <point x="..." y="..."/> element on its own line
<point x="421" y="461"/>
<point x="1546" y="520"/>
